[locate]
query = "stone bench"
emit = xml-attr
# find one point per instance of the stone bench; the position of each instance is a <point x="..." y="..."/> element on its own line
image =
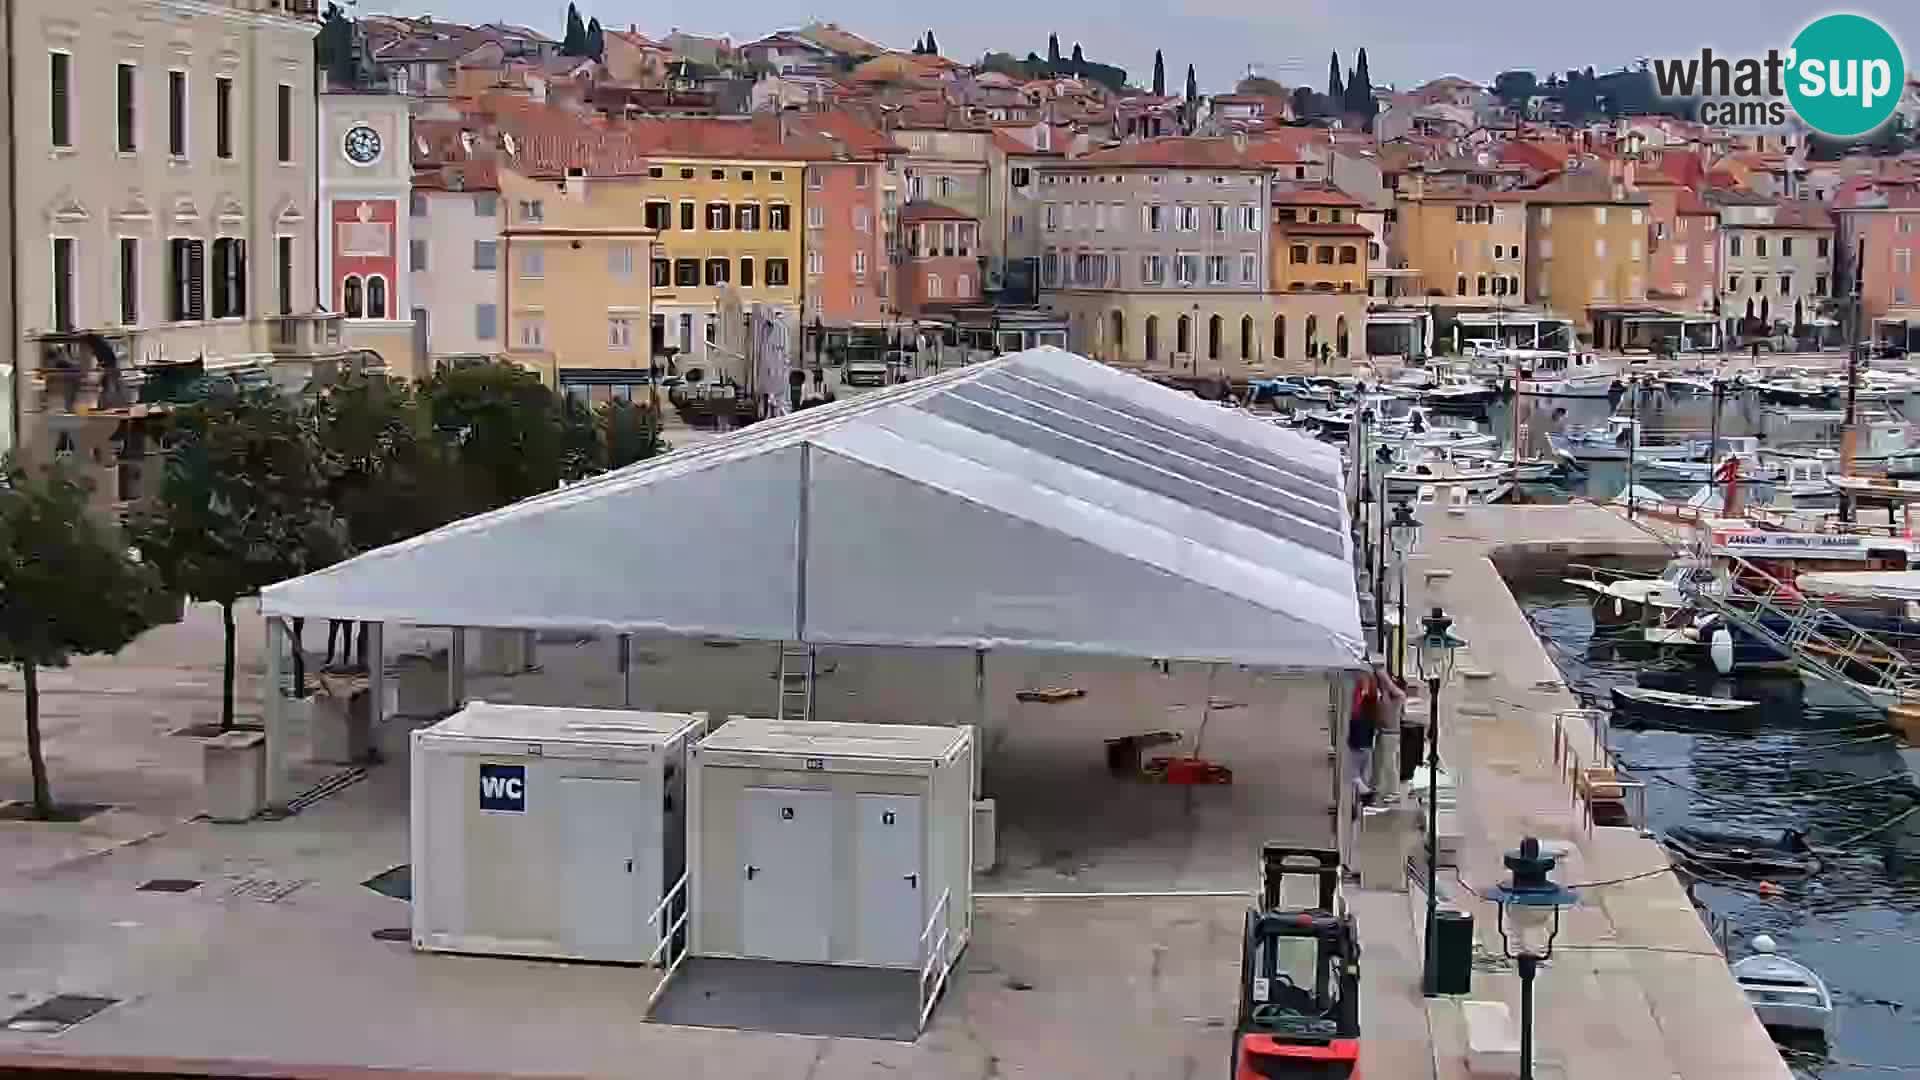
<point x="1493" y="1039"/>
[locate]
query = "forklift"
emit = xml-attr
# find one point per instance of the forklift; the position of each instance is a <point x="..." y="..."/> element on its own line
<point x="1299" y="1013"/>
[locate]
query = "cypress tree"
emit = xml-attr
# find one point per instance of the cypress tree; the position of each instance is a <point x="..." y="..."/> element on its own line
<point x="596" y="40"/>
<point x="933" y="47"/>
<point x="1053" y="48"/>
<point x="1334" y="90"/>
<point x="1159" y="74"/>
<point x="575" y="42"/>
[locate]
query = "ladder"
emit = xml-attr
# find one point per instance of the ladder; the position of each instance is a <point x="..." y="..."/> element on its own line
<point x="1818" y="641"/>
<point x="795" y="676"/>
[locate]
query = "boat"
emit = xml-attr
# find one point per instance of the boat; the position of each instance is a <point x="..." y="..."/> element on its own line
<point x="1484" y="482"/>
<point x="1618" y="439"/>
<point x="1460" y="392"/>
<point x="1787" y="386"/>
<point x="1742" y="854"/>
<point x="1785" y="995"/>
<point x="1743" y="449"/>
<point x="1806" y="477"/>
<point x="1552" y="373"/>
<point x="1665" y="703"/>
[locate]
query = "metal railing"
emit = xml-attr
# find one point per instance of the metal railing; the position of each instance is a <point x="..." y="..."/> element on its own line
<point x="1585" y="763"/>
<point x="669" y="934"/>
<point x="936" y="957"/>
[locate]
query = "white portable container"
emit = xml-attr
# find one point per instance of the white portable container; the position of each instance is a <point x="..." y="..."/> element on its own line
<point x="824" y="843"/>
<point x="543" y="831"/>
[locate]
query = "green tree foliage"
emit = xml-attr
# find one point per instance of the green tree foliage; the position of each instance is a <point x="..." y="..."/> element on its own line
<point x="1079" y="58"/>
<point x="387" y="474"/>
<point x="333" y="48"/>
<point x="1159" y="74"/>
<point x="575" y="41"/>
<point x="1053" y="48"/>
<point x="67" y="588"/>
<point x="1336" y="91"/>
<point x="596" y="40"/>
<point x="1360" y="88"/>
<point x="243" y="504"/>
<point x="1514" y="88"/>
<point x="933" y="45"/>
<point x="628" y="432"/>
<point x="502" y="426"/>
<point x="1261" y="85"/>
<point x="1306" y="103"/>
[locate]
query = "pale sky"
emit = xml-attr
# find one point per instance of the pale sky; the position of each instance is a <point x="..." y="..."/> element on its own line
<point x="1407" y="41"/>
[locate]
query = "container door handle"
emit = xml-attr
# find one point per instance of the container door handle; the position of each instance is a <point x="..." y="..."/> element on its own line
<point x="913" y="881"/>
<point x="629" y="866"/>
<point x="752" y="870"/>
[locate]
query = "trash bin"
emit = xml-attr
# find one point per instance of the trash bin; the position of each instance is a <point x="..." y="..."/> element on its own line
<point x="1453" y="951"/>
<point x="1413" y="749"/>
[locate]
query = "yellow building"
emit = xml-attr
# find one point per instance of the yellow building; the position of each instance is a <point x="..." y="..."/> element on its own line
<point x="1587" y="245"/>
<point x="574" y="293"/>
<point x="1467" y="243"/>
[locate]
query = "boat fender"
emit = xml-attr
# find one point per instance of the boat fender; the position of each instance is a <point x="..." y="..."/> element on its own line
<point x="1721" y="651"/>
<point x="1619" y="607"/>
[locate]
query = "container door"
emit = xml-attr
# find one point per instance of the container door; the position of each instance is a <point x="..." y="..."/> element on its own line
<point x="786" y="908"/>
<point x="612" y="874"/>
<point x="890" y="879"/>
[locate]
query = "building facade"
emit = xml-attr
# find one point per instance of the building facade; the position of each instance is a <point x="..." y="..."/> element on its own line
<point x="1585" y="248"/>
<point x="453" y="263"/>
<point x="1466" y="244"/>
<point x="366" y="174"/>
<point x="1879" y="229"/>
<point x="1777" y="264"/>
<point x="942" y="261"/>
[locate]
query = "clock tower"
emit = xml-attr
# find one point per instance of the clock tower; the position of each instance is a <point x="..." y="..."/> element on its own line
<point x="366" y="177"/>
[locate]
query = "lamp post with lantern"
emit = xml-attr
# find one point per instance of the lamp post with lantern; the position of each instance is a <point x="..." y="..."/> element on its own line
<point x="1404" y="533"/>
<point x="1530" y="903"/>
<point x="1435" y="660"/>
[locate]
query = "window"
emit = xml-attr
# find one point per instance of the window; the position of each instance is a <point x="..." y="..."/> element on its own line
<point x="1460" y="285"/>
<point x="533" y="210"/>
<point x="486" y="254"/>
<point x="1786" y="246"/>
<point x="1183" y="335"/>
<point x="1152" y="269"/>
<point x="813" y="178"/>
<point x="1733" y="283"/>
<point x="283" y="124"/>
<point x="1249" y="268"/>
<point x="1216" y="269"/>
<point x="1323" y="255"/>
<point x="186" y="283"/>
<point x="619" y="333"/>
<point x="1050" y="268"/>
<point x="533" y="262"/>
<point x="417" y="205"/>
<point x="60" y="91"/>
<point x="1600" y="215"/>
<point x="1017" y="224"/>
<point x="746" y="271"/>
<point x="1213" y="338"/>
<point x="933" y="287"/>
<point x="816" y="217"/>
<point x="1906" y="223"/>
<point x="657" y="215"/>
<point x="686" y="216"/>
<point x="719" y="217"/>
<point x="1733" y="245"/>
<point x="1546" y="215"/>
<point x="686" y="273"/>
<point x="63" y="271"/>
<point x="776" y="175"/>
<point x="717" y="174"/>
<point x="1786" y="284"/>
<point x="1480" y="284"/>
<point x="229" y="278"/>
<point x="1820" y="247"/>
<point x="1819" y="284"/>
<point x="1250" y="218"/>
<point x="816" y="264"/>
<point x="1903" y="259"/>
<point x="662" y="276"/>
<point x="656" y="172"/>
<point x="1050" y="217"/>
<point x="860" y="265"/>
<point x="1219" y="218"/>
<point x="376" y="297"/>
<point x="1280" y="337"/>
<point x="1349" y="255"/>
<point x="1155" y="217"/>
<point x="1297" y="255"/>
<point x="963" y="286"/>
<point x="124" y="109"/>
<point x="620" y="260"/>
<point x="779" y="218"/>
<point x="1634" y="249"/>
<point x="533" y="331"/>
<point x="862" y="219"/>
<point x="353" y="298"/>
<point x="223" y="117"/>
<point x="860" y="178"/>
<point x="1680" y="255"/>
<point x="717" y="271"/>
<point x="1900" y="295"/>
<point x="177" y="113"/>
<point x="776" y="272"/>
<point x="485" y="204"/>
<point x="686" y="174"/>
<point x="283" y="257"/>
<point x="1020" y="176"/>
<point x="1186" y="269"/>
<point x="944" y="186"/>
<point x="746" y="217"/>
<point x="1760" y="247"/>
<point x="486" y="321"/>
<point x="1189" y="218"/>
<point x="416" y="254"/>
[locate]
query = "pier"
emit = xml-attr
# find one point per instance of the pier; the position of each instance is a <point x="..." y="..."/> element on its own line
<point x="1636" y="986"/>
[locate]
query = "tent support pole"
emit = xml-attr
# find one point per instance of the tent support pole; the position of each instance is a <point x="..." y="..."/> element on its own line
<point x="1340" y="692"/>
<point x="273" y="714"/>
<point x="802" y="529"/>
<point x="979" y="716"/>
<point x="626" y="671"/>
<point x="457" y="667"/>
<point x="374" y="656"/>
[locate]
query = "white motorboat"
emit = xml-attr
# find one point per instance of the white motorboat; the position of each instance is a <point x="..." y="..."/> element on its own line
<point x="1620" y="437"/>
<point x="1483" y="481"/>
<point x="1806" y="476"/>
<point x="1668" y="701"/>
<point x="1665" y="592"/>
<point x="1552" y="373"/>
<point x="1785" y="995"/>
<point x="1460" y="392"/>
<point x="1742" y="449"/>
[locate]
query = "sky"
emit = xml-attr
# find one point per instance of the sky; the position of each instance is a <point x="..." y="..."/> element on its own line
<point x="1407" y="41"/>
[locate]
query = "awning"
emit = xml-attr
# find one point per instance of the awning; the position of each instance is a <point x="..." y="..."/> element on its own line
<point x="1040" y="501"/>
<point x="1863" y="585"/>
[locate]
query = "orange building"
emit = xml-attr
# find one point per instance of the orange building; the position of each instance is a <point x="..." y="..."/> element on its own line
<point x="942" y="258"/>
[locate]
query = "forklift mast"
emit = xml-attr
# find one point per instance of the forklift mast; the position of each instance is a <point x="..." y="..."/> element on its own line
<point x="1292" y="1024"/>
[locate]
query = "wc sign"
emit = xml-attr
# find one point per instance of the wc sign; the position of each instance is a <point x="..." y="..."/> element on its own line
<point x="503" y="788"/>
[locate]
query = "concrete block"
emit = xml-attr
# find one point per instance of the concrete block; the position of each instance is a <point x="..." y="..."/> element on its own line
<point x="342" y="729"/>
<point x="1476" y="692"/>
<point x="499" y="652"/>
<point x="985" y="836"/>
<point x="234" y="773"/>
<point x="1493" y="1039"/>
<point x="420" y="683"/>
<point x="1381" y="847"/>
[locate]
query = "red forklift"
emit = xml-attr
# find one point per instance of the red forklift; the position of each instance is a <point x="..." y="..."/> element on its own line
<point x="1299" y="1013"/>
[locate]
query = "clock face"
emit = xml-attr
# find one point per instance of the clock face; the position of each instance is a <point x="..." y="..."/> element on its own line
<point x="362" y="145"/>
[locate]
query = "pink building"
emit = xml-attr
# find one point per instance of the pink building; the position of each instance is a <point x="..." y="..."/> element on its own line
<point x="1879" y="229"/>
<point x="848" y="280"/>
<point x="942" y="265"/>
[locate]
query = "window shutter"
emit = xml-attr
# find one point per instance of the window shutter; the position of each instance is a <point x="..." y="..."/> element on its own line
<point x="220" y="279"/>
<point x="237" y="266"/>
<point x="196" y="279"/>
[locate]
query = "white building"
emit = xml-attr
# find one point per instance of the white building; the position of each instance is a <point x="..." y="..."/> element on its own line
<point x="454" y="286"/>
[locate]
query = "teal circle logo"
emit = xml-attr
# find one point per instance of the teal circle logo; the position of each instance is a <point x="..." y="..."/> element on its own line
<point x="1845" y="75"/>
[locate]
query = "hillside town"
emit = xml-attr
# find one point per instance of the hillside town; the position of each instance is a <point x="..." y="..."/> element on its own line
<point x="844" y="560"/>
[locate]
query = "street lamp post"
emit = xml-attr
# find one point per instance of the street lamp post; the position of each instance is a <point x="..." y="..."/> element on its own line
<point x="1435" y="658"/>
<point x="1530" y="903"/>
<point x="1383" y="455"/>
<point x="1405" y="531"/>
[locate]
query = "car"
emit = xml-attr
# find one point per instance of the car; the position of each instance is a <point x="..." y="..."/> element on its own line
<point x="865" y="373"/>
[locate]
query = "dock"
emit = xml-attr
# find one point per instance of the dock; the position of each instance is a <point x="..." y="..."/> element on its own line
<point x="1636" y="986"/>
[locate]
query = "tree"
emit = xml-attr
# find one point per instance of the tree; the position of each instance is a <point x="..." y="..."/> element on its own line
<point x="387" y="476"/>
<point x="1193" y="90"/>
<point x="575" y="43"/>
<point x="1259" y="85"/>
<point x="1306" y="103"/>
<point x="596" y="40"/>
<point x="1053" y="48"/>
<point x="502" y="426"/>
<point x="628" y="432"/>
<point x="1079" y="58"/>
<point x="242" y="505"/>
<point x="1335" y="91"/>
<point x="933" y="45"/>
<point x="333" y="49"/>
<point x="1360" y="87"/>
<point x="69" y="588"/>
<point x="1159" y="74"/>
<point x="1515" y="88"/>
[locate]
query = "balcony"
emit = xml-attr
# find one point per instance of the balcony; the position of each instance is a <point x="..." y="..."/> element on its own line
<point x="304" y="337"/>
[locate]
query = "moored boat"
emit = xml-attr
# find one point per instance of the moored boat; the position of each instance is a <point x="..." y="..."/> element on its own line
<point x="1785" y="995"/>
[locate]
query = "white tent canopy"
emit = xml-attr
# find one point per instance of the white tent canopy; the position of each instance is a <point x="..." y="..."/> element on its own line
<point x="1037" y="501"/>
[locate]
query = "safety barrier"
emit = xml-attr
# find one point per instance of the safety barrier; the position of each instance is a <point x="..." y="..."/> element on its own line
<point x="668" y="936"/>
<point x="936" y="957"/>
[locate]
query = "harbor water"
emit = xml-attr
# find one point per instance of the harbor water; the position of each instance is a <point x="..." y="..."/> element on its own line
<point x="1812" y="760"/>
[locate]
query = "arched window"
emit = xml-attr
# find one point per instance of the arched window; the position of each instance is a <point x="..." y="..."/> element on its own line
<point x="350" y="297"/>
<point x="1153" y="338"/>
<point x="1214" y="329"/>
<point x="1246" y="337"/>
<point x="1313" y="337"/>
<point x="1340" y="336"/>
<point x="1119" y="336"/>
<point x="1279" y="337"/>
<point x="1183" y="336"/>
<point x="376" y="297"/>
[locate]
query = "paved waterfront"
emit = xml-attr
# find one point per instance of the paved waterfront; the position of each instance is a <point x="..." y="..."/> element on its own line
<point x="1635" y="987"/>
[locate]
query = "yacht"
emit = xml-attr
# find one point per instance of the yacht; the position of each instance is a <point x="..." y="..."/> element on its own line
<point x="1618" y="439"/>
<point x="1563" y="374"/>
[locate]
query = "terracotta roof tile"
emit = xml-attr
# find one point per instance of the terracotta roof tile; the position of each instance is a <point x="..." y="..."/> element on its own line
<point x="927" y="211"/>
<point x="1178" y="152"/>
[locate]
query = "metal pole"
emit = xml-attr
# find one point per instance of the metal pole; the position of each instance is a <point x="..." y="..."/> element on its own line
<point x="1633" y="441"/>
<point x="1380" y="563"/>
<point x="1399" y="668"/>
<point x="1713" y="437"/>
<point x="1430" y="984"/>
<point x="1528" y="965"/>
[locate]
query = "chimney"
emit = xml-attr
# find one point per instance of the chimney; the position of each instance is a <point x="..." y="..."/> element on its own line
<point x="1239" y="141"/>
